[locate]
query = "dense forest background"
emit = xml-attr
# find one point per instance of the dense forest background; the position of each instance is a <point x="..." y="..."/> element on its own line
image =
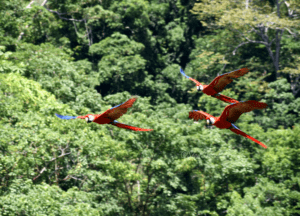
<point x="75" y="57"/>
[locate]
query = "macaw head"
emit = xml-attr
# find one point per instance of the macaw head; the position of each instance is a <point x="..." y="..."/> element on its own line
<point x="200" y="87"/>
<point x="210" y="121"/>
<point x="89" y="119"/>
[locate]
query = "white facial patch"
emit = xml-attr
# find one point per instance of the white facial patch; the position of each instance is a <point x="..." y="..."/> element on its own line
<point x="200" y="88"/>
<point x="91" y="118"/>
<point x="212" y="120"/>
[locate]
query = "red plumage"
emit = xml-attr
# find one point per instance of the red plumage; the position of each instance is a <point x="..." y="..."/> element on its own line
<point x="230" y="114"/>
<point x="225" y="98"/>
<point x="219" y="83"/>
<point x="120" y="125"/>
<point x="239" y="132"/>
<point x="110" y="116"/>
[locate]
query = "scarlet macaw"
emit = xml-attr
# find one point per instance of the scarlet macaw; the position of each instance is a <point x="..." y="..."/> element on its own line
<point x="218" y="84"/>
<point x="230" y="114"/>
<point x="109" y="116"/>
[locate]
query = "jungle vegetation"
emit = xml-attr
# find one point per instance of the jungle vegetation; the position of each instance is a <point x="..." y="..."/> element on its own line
<point x="75" y="57"/>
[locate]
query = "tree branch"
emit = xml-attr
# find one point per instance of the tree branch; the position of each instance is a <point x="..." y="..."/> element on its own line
<point x="290" y="12"/>
<point x="39" y="174"/>
<point x="29" y="6"/>
<point x="247" y="4"/>
<point x="289" y="31"/>
<point x="278" y="7"/>
<point x="62" y="153"/>
<point x="250" y="41"/>
<point x="64" y="18"/>
<point x="223" y="66"/>
<point x="44" y="2"/>
<point x="53" y="159"/>
<point x="128" y="197"/>
<point x="89" y="33"/>
<point x="295" y="87"/>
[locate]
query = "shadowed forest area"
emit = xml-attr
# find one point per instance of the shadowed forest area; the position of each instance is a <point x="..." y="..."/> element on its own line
<point x="75" y="57"/>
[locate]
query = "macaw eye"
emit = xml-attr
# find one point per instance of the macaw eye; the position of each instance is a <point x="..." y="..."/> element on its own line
<point x="212" y="120"/>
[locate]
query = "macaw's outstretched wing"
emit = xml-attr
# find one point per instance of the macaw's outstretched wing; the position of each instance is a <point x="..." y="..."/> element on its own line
<point x="239" y="132"/>
<point x="232" y="112"/>
<point x="224" y="98"/>
<point x="196" y="115"/>
<point x="121" y="125"/>
<point x="117" y="111"/>
<point x="195" y="81"/>
<point x="70" y="117"/>
<point x="219" y="83"/>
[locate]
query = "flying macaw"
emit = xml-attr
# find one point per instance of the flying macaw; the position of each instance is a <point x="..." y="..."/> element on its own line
<point x="109" y="116"/>
<point x="218" y="84"/>
<point x="230" y="114"/>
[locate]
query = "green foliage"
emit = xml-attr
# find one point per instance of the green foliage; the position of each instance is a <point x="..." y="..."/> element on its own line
<point x="265" y="198"/>
<point x="24" y="198"/>
<point x="76" y="57"/>
<point x="71" y="82"/>
<point x="283" y="106"/>
<point x="239" y="16"/>
<point x="120" y="62"/>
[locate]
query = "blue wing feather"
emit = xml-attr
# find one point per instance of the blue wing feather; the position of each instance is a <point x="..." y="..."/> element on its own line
<point x="65" y="117"/>
<point x="227" y="73"/>
<point x="117" y="106"/>
<point x="182" y="72"/>
<point x="235" y="126"/>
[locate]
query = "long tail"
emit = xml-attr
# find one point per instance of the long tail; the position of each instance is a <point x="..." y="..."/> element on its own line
<point x="224" y="98"/>
<point x="237" y="131"/>
<point x="121" y="125"/>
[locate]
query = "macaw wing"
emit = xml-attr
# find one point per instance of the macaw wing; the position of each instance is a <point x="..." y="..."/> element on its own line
<point x="121" y="125"/>
<point x="70" y="117"/>
<point x="232" y="112"/>
<point x="224" y="98"/>
<point x="195" y="81"/>
<point x="239" y="132"/>
<point x="117" y="111"/>
<point x="196" y="115"/>
<point x="220" y="82"/>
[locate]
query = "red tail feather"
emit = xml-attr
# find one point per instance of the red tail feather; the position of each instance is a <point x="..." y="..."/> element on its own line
<point x="120" y="125"/>
<point x="247" y="136"/>
<point x="225" y="98"/>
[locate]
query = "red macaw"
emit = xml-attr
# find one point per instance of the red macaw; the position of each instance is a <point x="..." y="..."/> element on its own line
<point x="218" y="84"/>
<point x="230" y="114"/>
<point x="109" y="116"/>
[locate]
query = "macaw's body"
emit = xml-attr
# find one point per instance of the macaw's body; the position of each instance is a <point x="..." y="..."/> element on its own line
<point x="109" y="116"/>
<point x="230" y="114"/>
<point x="218" y="84"/>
